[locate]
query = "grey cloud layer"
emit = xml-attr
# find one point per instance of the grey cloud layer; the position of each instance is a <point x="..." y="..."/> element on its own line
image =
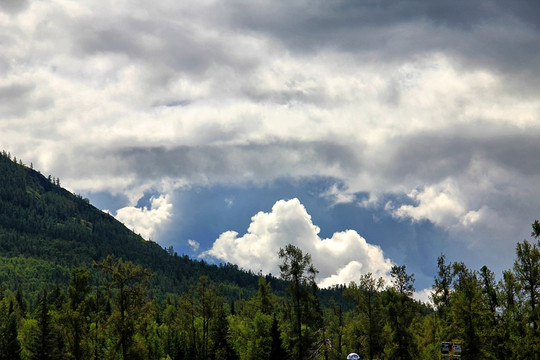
<point x="434" y="156"/>
<point x="228" y="164"/>
<point x="497" y="33"/>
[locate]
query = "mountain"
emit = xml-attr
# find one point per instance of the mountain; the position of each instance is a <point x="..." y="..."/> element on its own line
<point x="45" y="231"/>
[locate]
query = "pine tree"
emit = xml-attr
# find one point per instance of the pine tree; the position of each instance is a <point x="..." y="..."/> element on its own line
<point x="469" y="311"/>
<point x="221" y="348"/>
<point x="277" y="352"/>
<point x="401" y="311"/>
<point x="298" y="270"/>
<point x="76" y="311"/>
<point x="527" y="269"/>
<point x="13" y="349"/>
<point x="43" y="345"/>
<point x="366" y="299"/>
<point x="131" y="283"/>
<point x="9" y="344"/>
<point x="442" y="287"/>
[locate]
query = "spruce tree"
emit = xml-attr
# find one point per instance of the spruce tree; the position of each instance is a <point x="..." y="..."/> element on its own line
<point x="221" y="349"/>
<point x="277" y="352"/>
<point x="298" y="270"/>
<point x="43" y="345"/>
<point x="13" y="348"/>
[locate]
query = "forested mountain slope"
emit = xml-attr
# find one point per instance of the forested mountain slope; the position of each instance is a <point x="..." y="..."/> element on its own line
<point x="45" y="231"/>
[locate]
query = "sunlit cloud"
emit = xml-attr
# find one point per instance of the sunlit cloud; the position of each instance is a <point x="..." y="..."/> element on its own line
<point x="147" y="221"/>
<point x="339" y="259"/>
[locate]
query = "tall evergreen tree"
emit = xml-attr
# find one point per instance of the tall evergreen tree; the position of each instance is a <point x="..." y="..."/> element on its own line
<point x="131" y="283"/>
<point x="368" y="306"/>
<point x="442" y="287"/>
<point x="527" y="270"/>
<point x="401" y="312"/>
<point x="335" y="322"/>
<point x="206" y="309"/>
<point x="44" y="343"/>
<point x="277" y="352"/>
<point x="469" y="312"/>
<point x="298" y="270"/>
<point x="76" y="312"/>
<point x="13" y="349"/>
<point x="10" y="348"/>
<point x="221" y="344"/>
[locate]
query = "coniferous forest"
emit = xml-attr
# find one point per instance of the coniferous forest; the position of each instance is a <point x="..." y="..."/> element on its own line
<point x="77" y="284"/>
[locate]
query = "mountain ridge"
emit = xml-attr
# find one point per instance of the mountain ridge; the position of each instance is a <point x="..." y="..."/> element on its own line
<point x="44" y="225"/>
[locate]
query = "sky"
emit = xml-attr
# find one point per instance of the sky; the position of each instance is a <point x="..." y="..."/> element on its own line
<point x="366" y="133"/>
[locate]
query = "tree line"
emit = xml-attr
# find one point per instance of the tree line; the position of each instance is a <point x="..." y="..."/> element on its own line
<point x="116" y="318"/>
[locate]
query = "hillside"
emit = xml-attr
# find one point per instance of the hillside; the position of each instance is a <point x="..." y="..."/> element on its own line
<point x="45" y="231"/>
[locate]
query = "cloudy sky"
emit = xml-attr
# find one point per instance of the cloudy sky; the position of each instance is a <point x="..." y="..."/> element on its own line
<point x="368" y="133"/>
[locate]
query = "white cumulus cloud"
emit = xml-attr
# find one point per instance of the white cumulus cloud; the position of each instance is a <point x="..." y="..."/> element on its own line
<point x="442" y="204"/>
<point x="339" y="259"/>
<point x="146" y="221"/>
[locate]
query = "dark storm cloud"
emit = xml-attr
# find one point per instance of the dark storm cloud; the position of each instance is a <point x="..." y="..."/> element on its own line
<point x="504" y="35"/>
<point x="434" y="156"/>
<point x="17" y="99"/>
<point x="11" y="92"/>
<point x="163" y="46"/>
<point x="13" y="6"/>
<point x="254" y="162"/>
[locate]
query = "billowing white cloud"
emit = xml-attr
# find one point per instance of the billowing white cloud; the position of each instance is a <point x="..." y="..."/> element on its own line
<point x="147" y="221"/>
<point x="339" y="259"/>
<point x="441" y="204"/>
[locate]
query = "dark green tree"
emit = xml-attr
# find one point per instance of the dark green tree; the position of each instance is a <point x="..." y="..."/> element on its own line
<point x="298" y="270"/>
<point x="513" y="322"/>
<point x="277" y="352"/>
<point x="469" y="312"/>
<point x="131" y="284"/>
<point x="335" y="323"/>
<point x="490" y="292"/>
<point x="43" y="345"/>
<point x="372" y="309"/>
<point x="10" y="348"/>
<point x="219" y="331"/>
<point x="442" y="287"/>
<point x="264" y="297"/>
<point x="535" y="229"/>
<point x="527" y="270"/>
<point x="493" y="335"/>
<point x="401" y="312"/>
<point x="207" y="295"/>
<point x="76" y="313"/>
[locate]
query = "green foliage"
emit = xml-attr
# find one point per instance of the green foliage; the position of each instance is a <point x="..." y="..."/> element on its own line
<point x="10" y="348"/>
<point x="298" y="270"/>
<point x="130" y="283"/>
<point x="368" y="322"/>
